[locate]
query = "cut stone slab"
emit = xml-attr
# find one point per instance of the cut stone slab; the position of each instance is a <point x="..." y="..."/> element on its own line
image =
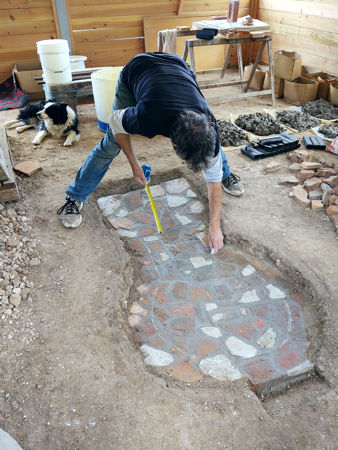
<point x="200" y="261"/>
<point x="312" y="183"/>
<point x="316" y="204"/>
<point x="175" y="201"/>
<point x="300" y="194"/>
<point x="220" y="368"/>
<point x="272" y="167"/>
<point x="156" y="357"/>
<point x="237" y="347"/>
<point x="27" y="168"/>
<point x="303" y="368"/>
<point x="289" y="179"/>
<point x="308" y="165"/>
<point x="295" y="167"/>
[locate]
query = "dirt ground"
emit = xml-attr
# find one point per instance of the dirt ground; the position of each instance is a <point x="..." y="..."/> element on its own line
<point x="71" y="376"/>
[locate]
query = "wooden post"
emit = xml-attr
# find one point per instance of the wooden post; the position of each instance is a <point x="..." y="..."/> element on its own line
<point x="272" y="78"/>
<point x="240" y="62"/>
<point x="179" y="7"/>
<point x="258" y="57"/>
<point x="226" y="60"/>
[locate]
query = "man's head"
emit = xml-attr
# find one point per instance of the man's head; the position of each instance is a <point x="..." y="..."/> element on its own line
<point x="193" y="136"/>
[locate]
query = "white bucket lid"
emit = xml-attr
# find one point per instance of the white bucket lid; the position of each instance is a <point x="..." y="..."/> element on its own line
<point x="107" y="74"/>
<point x="78" y="58"/>
<point x="50" y="45"/>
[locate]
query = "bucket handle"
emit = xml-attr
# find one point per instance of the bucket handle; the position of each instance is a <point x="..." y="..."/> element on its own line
<point x="56" y="71"/>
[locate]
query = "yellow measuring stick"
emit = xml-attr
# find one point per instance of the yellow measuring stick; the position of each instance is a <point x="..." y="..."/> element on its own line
<point x="152" y="204"/>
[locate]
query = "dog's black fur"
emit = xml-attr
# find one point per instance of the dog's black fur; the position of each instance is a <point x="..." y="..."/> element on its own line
<point x="49" y="117"/>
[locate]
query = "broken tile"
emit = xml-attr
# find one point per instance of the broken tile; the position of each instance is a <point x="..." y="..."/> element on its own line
<point x="27" y="168"/>
<point x="126" y="224"/>
<point x="289" y="179"/>
<point x="184" y="371"/>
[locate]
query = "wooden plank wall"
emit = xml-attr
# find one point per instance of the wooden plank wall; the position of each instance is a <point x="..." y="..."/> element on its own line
<point x="309" y="27"/>
<point x="110" y="32"/>
<point x="22" y="24"/>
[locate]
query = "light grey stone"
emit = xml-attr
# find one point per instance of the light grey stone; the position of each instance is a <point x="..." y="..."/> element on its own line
<point x="237" y="347"/>
<point x="275" y="292"/>
<point x="176" y="186"/>
<point x="248" y="270"/>
<point x="212" y="331"/>
<point x="127" y="233"/>
<point x="7" y="442"/>
<point x="121" y="213"/>
<point x="156" y="191"/>
<point x="268" y="339"/>
<point x="250" y="297"/>
<point x="15" y="299"/>
<point x="108" y="205"/>
<point x="200" y="261"/>
<point x="156" y="357"/>
<point x="191" y="194"/>
<point x="196" y="207"/>
<point x="176" y="200"/>
<point x="305" y="367"/>
<point x="220" y="368"/>
<point x="34" y="262"/>
<point x="184" y="220"/>
<point x="210" y="306"/>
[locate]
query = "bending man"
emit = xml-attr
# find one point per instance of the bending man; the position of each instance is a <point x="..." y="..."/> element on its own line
<point x="157" y="94"/>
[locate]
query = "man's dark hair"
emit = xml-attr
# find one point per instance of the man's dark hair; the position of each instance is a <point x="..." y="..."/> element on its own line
<point x="193" y="136"/>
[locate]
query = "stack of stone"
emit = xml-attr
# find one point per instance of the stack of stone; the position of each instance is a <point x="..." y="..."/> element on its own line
<point x="315" y="183"/>
<point x="17" y="255"/>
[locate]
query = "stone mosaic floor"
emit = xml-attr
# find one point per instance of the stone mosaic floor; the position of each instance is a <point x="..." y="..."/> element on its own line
<point x="200" y="316"/>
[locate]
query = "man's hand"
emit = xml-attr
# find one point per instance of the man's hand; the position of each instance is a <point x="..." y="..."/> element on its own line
<point x="139" y="175"/>
<point x="215" y="203"/>
<point x="215" y="239"/>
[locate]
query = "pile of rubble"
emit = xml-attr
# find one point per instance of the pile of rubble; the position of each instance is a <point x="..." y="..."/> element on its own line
<point x="315" y="183"/>
<point x="230" y="134"/>
<point x="297" y="120"/>
<point x="321" y="109"/>
<point x="259" y="123"/>
<point x="17" y="254"/>
<point x="330" y="131"/>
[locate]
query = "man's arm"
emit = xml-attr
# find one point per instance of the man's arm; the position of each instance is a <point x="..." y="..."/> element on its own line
<point x="215" y="204"/>
<point x="124" y="142"/>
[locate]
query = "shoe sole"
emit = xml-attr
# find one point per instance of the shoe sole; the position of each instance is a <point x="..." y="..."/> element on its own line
<point x="233" y="193"/>
<point x="71" y="226"/>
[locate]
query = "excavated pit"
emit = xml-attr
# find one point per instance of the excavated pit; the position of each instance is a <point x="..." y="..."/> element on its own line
<point x="203" y="318"/>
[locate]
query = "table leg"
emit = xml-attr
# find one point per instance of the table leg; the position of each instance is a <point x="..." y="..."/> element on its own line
<point x="185" y="52"/>
<point x="192" y="59"/>
<point x="240" y="63"/>
<point x="272" y="78"/>
<point x="258" y="57"/>
<point x="226" y="60"/>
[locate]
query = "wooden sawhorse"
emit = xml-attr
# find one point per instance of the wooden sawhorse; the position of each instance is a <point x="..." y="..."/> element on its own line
<point x="245" y="85"/>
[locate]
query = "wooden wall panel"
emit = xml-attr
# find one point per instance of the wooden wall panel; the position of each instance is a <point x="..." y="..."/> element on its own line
<point x="309" y="27"/>
<point x="22" y="24"/>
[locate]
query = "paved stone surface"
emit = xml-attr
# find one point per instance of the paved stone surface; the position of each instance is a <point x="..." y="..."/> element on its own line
<point x="201" y="316"/>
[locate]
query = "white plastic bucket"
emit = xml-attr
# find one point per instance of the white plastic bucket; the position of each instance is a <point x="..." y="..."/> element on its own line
<point x="104" y="83"/>
<point x="55" y="61"/>
<point x="77" y="62"/>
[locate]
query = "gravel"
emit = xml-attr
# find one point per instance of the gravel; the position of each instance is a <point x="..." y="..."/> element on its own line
<point x="321" y="109"/>
<point x="259" y="123"/>
<point x="330" y="131"/>
<point x="17" y="251"/>
<point x="230" y="134"/>
<point x="297" y="119"/>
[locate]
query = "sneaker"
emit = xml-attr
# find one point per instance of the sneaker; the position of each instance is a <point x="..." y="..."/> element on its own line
<point x="232" y="186"/>
<point x="69" y="213"/>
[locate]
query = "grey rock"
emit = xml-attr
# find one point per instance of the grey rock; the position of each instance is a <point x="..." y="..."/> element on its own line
<point x="15" y="299"/>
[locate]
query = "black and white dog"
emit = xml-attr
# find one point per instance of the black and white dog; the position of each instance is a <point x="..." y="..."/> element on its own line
<point x="49" y="118"/>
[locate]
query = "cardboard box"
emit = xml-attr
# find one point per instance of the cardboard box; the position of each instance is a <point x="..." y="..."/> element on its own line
<point x="24" y="73"/>
<point x="333" y="95"/>
<point x="324" y="80"/>
<point x="300" y="91"/>
<point x="279" y="85"/>
<point x="287" y="65"/>
<point x="258" y="78"/>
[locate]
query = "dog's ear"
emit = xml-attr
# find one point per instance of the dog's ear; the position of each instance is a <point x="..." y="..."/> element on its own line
<point x="57" y="112"/>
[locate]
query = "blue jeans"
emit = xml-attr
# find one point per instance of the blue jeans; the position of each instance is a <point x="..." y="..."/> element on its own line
<point x="98" y="161"/>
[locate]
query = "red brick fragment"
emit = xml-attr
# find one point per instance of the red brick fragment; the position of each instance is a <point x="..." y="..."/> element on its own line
<point x="332" y="210"/>
<point x="183" y="325"/>
<point x="180" y="291"/>
<point x="27" y="168"/>
<point x="200" y="293"/>
<point x="137" y="245"/>
<point x="288" y="356"/>
<point x="142" y="216"/>
<point x="184" y="371"/>
<point x="312" y="183"/>
<point x="159" y="292"/>
<point x="132" y="200"/>
<point x="146" y="230"/>
<point x="122" y="222"/>
<point x="186" y="310"/>
<point x="300" y="194"/>
<point x="305" y="174"/>
<point x="261" y="374"/>
<point x="206" y="347"/>
<point x="155" y="246"/>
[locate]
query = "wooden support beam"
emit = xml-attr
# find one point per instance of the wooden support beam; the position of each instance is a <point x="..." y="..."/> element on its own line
<point x="180" y="7"/>
<point x="8" y="188"/>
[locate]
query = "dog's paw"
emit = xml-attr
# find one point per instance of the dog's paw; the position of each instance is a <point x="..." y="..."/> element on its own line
<point x="36" y="142"/>
<point x="67" y="143"/>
